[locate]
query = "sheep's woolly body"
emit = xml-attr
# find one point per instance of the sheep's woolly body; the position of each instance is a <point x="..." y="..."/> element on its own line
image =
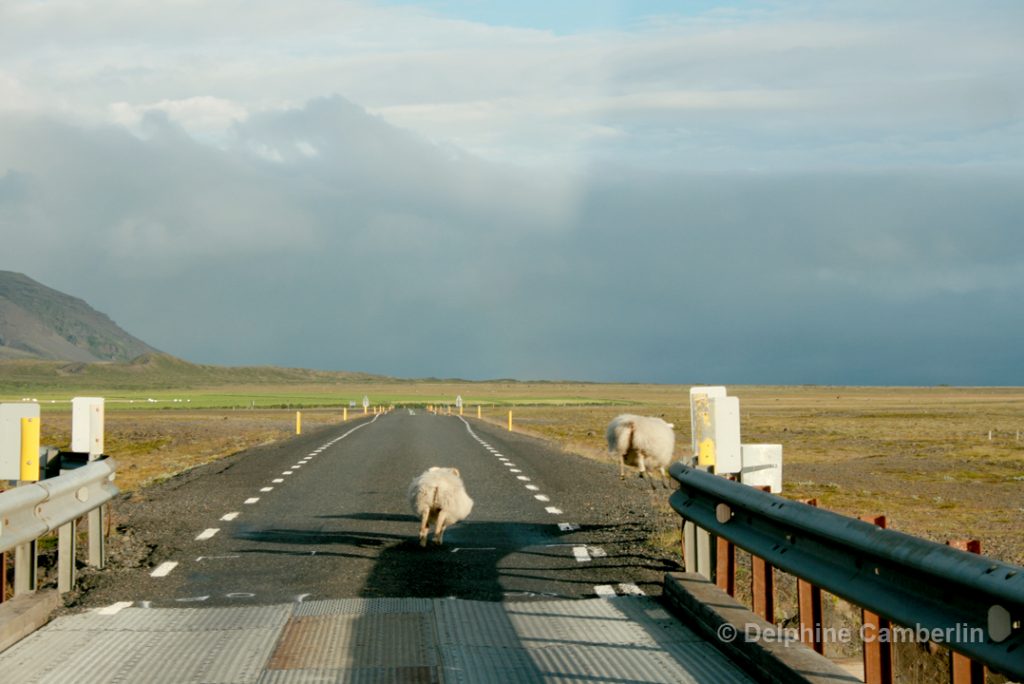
<point x="642" y="442"/>
<point x="438" y="496"/>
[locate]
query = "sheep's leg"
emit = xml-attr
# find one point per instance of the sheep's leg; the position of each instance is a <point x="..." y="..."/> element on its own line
<point x="622" y="466"/>
<point x="424" y="527"/>
<point x="640" y="463"/>
<point x="439" y="529"/>
<point x="664" y="477"/>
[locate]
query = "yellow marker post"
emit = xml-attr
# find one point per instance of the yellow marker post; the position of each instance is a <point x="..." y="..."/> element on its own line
<point x="298" y="422"/>
<point x="344" y="413"/>
<point x="30" y="449"/>
<point x="510" y="421"/>
<point x="460" y="409"/>
<point x="478" y="410"/>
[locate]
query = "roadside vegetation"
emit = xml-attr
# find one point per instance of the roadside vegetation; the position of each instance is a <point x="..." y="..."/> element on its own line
<point x="942" y="463"/>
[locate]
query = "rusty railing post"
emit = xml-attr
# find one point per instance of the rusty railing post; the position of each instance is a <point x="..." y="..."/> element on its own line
<point x="878" y="650"/>
<point x="963" y="670"/>
<point x="809" y="606"/>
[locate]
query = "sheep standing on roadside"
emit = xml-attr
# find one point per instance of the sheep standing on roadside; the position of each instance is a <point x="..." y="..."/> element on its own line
<point x="439" y="498"/>
<point x="642" y="442"/>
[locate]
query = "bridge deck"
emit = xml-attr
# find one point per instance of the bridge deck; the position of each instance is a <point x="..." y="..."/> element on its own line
<point x="622" y="639"/>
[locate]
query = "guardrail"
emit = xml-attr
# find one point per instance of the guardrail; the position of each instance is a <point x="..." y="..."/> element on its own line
<point x="975" y="603"/>
<point x="30" y="511"/>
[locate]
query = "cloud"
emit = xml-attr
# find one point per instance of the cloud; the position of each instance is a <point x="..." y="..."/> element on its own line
<point x="754" y="87"/>
<point x="387" y="253"/>
<point x="794" y="192"/>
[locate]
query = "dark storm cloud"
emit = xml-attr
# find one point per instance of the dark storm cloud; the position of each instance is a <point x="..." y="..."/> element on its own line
<point x="325" y="237"/>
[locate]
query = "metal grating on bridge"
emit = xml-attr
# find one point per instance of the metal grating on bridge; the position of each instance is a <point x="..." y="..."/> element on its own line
<point x="627" y="639"/>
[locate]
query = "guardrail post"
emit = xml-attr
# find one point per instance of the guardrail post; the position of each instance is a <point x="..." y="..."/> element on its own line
<point x="97" y="539"/>
<point x="809" y="605"/>
<point x="963" y="670"/>
<point x="66" y="544"/>
<point x="26" y="568"/>
<point x="763" y="588"/>
<point x="762" y="582"/>
<point x="725" y="565"/>
<point x="877" y="652"/>
<point x="705" y="554"/>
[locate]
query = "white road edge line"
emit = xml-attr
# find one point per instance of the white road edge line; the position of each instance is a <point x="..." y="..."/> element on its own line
<point x="115" y="608"/>
<point x="164" y="569"/>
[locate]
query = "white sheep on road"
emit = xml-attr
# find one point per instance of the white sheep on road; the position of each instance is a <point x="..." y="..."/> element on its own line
<point x="438" y="496"/>
<point x="642" y="442"/>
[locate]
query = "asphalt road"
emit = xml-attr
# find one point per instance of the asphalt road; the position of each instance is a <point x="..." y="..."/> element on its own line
<point x="325" y="515"/>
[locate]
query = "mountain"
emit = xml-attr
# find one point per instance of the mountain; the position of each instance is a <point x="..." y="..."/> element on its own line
<point x="37" y="322"/>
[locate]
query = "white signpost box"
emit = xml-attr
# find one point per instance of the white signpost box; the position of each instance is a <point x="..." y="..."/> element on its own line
<point x="10" y="437"/>
<point x="700" y="410"/>
<point x="762" y="466"/>
<point x="87" y="426"/>
<point x="715" y="421"/>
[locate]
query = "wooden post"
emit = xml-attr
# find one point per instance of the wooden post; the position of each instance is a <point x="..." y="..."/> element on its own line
<point x="877" y="651"/>
<point x="762" y="583"/>
<point x="809" y="601"/>
<point x="763" y="588"/>
<point x="725" y="565"/>
<point x="963" y="670"/>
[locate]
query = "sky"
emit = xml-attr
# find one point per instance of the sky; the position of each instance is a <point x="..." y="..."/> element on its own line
<point x="651" y="191"/>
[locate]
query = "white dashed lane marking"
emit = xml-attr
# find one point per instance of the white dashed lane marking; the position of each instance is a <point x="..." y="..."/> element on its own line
<point x="533" y="488"/>
<point x="229" y="517"/>
<point x="207" y="533"/>
<point x="553" y="511"/>
<point x="580" y="553"/>
<point x="604" y="590"/>
<point x="568" y="527"/>
<point x="163" y="569"/>
<point x="266" y="489"/>
<point x="541" y="497"/>
<point x="115" y="608"/>
<point x="252" y="499"/>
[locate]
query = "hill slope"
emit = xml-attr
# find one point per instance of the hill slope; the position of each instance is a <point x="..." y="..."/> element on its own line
<point x="38" y="322"/>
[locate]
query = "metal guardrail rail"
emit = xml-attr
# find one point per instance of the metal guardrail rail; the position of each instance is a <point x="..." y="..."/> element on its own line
<point x="29" y="511"/>
<point x="911" y="581"/>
